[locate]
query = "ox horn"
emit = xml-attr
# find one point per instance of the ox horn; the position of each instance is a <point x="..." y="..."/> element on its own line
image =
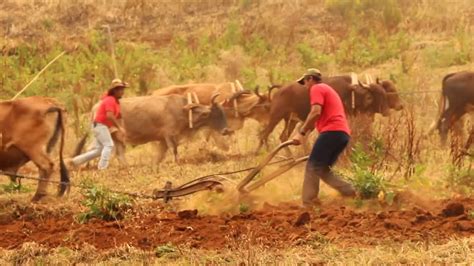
<point x="365" y="86"/>
<point x="239" y="85"/>
<point x="257" y="92"/>
<point x="213" y="98"/>
<point x="367" y="80"/>
<point x="270" y="88"/>
<point x="371" y="79"/>
<point x="238" y="94"/>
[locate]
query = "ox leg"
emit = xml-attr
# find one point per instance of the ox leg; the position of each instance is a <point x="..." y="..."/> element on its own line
<point x="120" y="153"/>
<point x="173" y="144"/>
<point x="290" y="125"/>
<point x="268" y="130"/>
<point x="220" y="141"/>
<point x="449" y="118"/>
<point x="45" y="166"/>
<point x="161" y="147"/>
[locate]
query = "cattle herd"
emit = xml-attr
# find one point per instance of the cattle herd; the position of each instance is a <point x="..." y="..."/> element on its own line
<point x="30" y="127"/>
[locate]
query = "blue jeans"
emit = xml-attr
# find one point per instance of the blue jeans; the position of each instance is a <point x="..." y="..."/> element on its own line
<point x="327" y="148"/>
<point x="103" y="146"/>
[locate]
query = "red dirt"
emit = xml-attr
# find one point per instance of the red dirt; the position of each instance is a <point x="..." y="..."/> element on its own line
<point x="272" y="227"/>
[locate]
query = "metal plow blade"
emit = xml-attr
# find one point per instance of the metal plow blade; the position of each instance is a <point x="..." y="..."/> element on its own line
<point x="192" y="187"/>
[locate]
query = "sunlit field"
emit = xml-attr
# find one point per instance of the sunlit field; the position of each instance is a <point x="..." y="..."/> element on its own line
<point x="415" y="202"/>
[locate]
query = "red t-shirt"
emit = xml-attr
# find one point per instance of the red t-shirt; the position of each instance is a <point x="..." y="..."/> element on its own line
<point x="108" y="104"/>
<point x="333" y="117"/>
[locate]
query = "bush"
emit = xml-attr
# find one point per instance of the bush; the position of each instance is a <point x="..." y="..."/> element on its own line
<point x="461" y="180"/>
<point x="103" y="204"/>
<point x="165" y="250"/>
<point x="14" y="187"/>
<point x="367" y="50"/>
<point x="387" y="12"/>
<point x="310" y="56"/>
<point x="367" y="182"/>
<point x="458" y="51"/>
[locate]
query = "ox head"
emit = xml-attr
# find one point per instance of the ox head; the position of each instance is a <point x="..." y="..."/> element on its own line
<point x="372" y="98"/>
<point x="393" y="99"/>
<point x="212" y="116"/>
<point x="247" y="104"/>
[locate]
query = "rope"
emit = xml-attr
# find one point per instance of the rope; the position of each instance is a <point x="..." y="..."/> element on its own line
<point x="138" y="195"/>
<point x="415" y="92"/>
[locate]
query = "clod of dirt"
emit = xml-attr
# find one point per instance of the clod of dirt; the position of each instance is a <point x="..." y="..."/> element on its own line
<point x="453" y="209"/>
<point x="5" y="218"/>
<point x="303" y="219"/>
<point x="395" y="223"/>
<point x="465" y="226"/>
<point x="187" y="214"/>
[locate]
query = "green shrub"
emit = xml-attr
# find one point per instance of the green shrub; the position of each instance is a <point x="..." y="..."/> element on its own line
<point x="458" y="51"/>
<point x="367" y="50"/>
<point x="367" y="182"/>
<point x="244" y="208"/>
<point x="387" y="12"/>
<point x="311" y="57"/>
<point x="165" y="250"/>
<point x="102" y="204"/>
<point x="461" y="180"/>
<point x="14" y="187"/>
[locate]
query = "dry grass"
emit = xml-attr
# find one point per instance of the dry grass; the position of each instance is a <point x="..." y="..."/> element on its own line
<point x="456" y="251"/>
<point x="412" y="160"/>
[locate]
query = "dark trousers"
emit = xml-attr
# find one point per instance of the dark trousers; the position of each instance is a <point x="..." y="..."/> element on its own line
<point x="327" y="148"/>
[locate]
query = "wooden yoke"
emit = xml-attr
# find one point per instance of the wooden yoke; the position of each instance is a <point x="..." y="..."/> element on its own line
<point x="236" y="108"/>
<point x="190" y="111"/>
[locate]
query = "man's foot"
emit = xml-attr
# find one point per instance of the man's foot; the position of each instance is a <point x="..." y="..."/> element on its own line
<point x="311" y="204"/>
<point x="303" y="219"/>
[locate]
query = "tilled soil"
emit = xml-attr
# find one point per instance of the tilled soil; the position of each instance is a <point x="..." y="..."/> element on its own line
<point x="272" y="227"/>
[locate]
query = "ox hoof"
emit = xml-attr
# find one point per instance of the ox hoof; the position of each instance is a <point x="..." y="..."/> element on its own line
<point x="37" y="197"/>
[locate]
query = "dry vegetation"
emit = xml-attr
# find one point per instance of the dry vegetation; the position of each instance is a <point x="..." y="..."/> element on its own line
<point x="413" y="43"/>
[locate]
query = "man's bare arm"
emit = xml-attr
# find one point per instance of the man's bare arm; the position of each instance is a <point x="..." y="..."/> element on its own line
<point x="111" y="117"/>
<point x="311" y="119"/>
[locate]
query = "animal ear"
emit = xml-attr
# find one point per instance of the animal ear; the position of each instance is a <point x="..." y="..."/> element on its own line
<point x="203" y="112"/>
<point x="377" y="80"/>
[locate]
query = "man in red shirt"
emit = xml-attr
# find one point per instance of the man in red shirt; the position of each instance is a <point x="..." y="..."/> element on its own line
<point x="328" y="117"/>
<point x="105" y="121"/>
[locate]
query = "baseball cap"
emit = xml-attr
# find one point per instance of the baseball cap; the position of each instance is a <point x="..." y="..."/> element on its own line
<point x="309" y="72"/>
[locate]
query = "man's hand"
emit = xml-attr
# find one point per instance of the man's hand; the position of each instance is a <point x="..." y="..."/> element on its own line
<point x="298" y="138"/>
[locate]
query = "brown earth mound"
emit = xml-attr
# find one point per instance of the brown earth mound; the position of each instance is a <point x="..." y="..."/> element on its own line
<point x="273" y="227"/>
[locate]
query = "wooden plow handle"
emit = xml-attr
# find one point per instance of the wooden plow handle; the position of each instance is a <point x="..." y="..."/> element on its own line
<point x="281" y="170"/>
<point x="254" y="172"/>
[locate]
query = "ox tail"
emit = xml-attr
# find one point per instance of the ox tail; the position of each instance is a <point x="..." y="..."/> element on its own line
<point x="80" y="146"/>
<point x="442" y="106"/>
<point x="60" y="129"/>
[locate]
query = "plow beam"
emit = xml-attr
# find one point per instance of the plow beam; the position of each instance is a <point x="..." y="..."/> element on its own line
<point x="168" y="193"/>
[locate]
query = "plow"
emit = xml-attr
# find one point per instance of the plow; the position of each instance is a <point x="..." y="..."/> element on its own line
<point x="247" y="185"/>
<point x="212" y="182"/>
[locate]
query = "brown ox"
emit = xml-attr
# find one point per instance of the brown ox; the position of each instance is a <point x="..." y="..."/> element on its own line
<point x="457" y="99"/>
<point x="238" y="105"/>
<point x="30" y="130"/>
<point x="357" y="99"/>
<point x="165" y="120"/>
